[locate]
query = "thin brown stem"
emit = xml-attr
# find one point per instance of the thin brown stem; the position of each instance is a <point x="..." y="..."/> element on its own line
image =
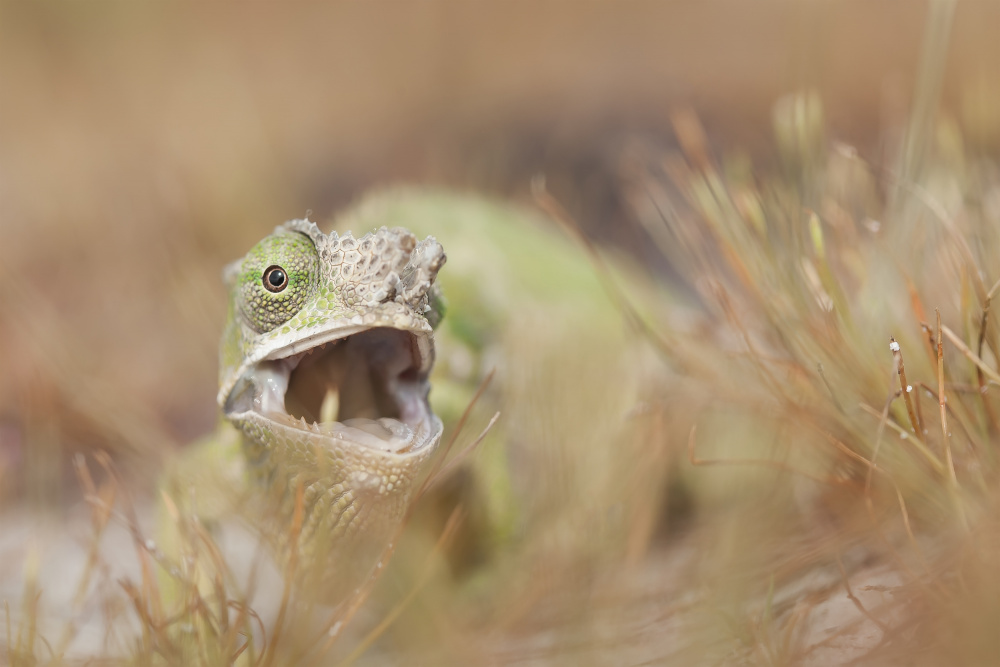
<point x="970" y="355"/>
<point x="454" y="520"/>
<point x="917" y="442"/>
<point x="905" y="388"/>
<point x="829" y="388"/>
<point x="453" y="465"/>
<point x="946" y="440"/>
<point x="454" y="435"/>
<point x="974" y="443"/>
<point x="872" y="468"/>
<point x="853" y="598"/>
<point x="870" y="504"/>
<point x="920" y="413"/>
<point x="983" y="324"/>
<point x="776" y="465"/>
<point x="555" y="210"/>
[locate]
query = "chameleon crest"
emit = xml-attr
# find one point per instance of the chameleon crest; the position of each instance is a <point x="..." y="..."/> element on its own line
<point x="324" y="369"/>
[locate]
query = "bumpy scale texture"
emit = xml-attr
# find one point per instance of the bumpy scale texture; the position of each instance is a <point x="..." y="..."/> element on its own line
<point x="353" y="498"/>
<point x="382" y="279"/>
<point x="353" y="501"/>
<point x="296" y="256"/>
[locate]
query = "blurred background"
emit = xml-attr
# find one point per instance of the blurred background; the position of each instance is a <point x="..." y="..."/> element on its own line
<point x="142" y="147"/>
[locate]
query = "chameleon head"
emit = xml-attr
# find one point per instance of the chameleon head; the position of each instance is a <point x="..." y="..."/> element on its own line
<point x="324" y="368"/>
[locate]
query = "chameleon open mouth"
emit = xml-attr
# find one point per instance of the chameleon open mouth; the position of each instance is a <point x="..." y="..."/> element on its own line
<point x="367" y="387"/>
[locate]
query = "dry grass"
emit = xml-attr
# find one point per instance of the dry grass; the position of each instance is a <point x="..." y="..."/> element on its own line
<point x="819" y="282"/>
<point x="791" y="459"/>
<point x="779" y="455"/>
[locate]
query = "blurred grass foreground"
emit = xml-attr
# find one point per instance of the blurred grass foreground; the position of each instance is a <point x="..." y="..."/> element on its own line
<point x="760" y="426"/>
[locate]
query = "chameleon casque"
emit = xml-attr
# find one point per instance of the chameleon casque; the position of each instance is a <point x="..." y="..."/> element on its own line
<point x="325" y="361"/>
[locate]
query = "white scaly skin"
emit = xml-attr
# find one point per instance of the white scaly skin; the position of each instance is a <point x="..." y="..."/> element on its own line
<point x="365" y="308"/>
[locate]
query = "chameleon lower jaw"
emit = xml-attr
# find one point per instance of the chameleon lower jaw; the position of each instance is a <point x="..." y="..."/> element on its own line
<point x="337" y="434"/>
<point x="369" y="389"/>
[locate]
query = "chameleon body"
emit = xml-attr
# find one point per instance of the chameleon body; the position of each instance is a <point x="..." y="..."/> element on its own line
<point x="325" y="361"/>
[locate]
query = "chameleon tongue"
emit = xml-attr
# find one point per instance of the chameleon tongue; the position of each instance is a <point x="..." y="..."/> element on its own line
<point x="270" y="379"/>
<point x="330" y="409"/>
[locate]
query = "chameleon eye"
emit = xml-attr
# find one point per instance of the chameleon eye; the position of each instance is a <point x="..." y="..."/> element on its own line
<point x="275" y="279"/>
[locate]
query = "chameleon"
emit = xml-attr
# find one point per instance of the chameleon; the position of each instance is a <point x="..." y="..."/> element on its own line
<point x="522" y="300"/>
<point x="324" y="378"/>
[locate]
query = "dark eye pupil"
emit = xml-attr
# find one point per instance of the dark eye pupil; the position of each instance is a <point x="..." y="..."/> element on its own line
<point x="275" y="279"/>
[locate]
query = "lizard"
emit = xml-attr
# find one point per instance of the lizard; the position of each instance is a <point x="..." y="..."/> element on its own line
<point x="521" y="300"/>
<point x="324" y="378"/>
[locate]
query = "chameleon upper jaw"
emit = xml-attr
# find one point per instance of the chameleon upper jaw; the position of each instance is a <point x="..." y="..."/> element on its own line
<point x="368" y="387"/>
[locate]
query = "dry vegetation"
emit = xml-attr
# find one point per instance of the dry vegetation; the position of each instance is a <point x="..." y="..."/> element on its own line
<point x="786" y="456"/>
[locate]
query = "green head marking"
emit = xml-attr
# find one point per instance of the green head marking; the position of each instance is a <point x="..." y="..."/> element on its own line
<point x="277" y="277"/>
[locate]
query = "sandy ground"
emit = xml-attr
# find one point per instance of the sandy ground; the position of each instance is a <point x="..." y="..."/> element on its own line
<point x="640" y="615"/>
